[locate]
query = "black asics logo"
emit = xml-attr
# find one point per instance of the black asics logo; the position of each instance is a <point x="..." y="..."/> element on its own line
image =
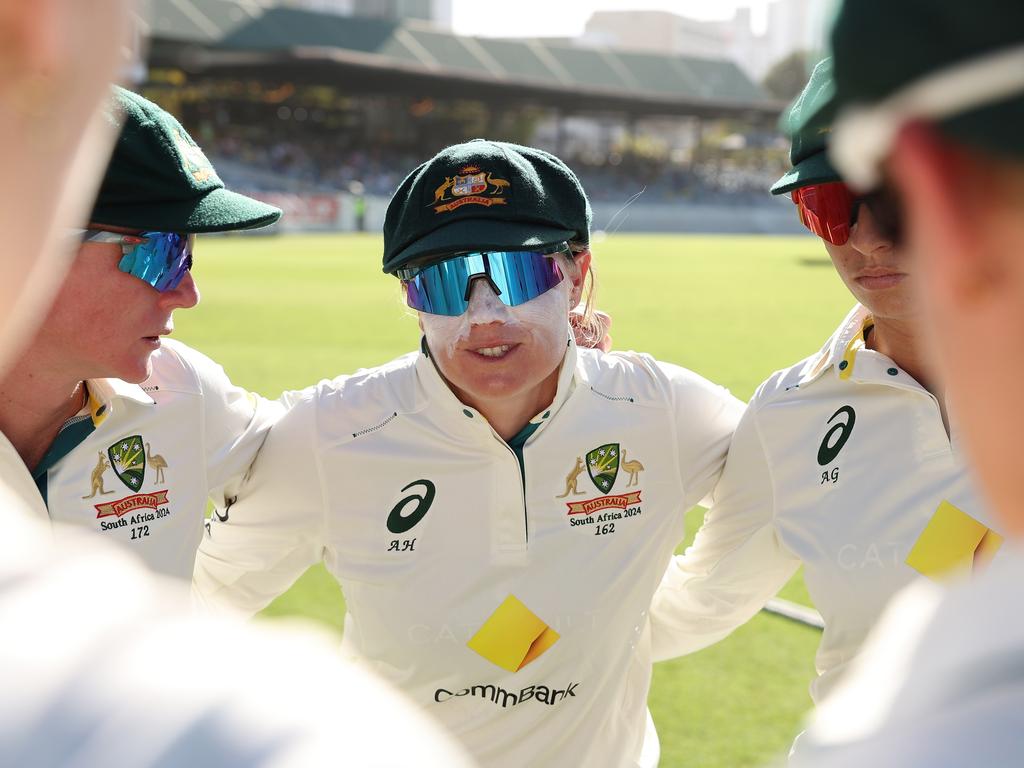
<point x="401" y="520"/>
<point x="837" y="436"/>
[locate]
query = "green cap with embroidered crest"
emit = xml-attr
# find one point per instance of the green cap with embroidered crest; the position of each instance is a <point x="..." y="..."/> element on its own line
<point x="807" y="152"/>
<point x="484" y="195"/>
<point x="957" y="65"/>
<point x="159" y="179"/>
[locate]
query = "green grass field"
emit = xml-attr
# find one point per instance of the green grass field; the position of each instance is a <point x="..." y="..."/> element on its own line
<point x="282" y="312"/>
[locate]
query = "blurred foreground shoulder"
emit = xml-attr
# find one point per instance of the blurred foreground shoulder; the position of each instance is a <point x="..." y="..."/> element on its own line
<point x="223" y="679"/>
<point x="939" y="682"/>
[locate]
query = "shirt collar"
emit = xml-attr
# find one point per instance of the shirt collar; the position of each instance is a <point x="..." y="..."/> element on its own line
<point x="103" y="393"/>
<point x="439" y="394"/>
<point x="840" y="352"/>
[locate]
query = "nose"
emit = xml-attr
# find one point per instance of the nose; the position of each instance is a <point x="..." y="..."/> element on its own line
<point x="484" y="304"/>
<point x="865" y="235"/>
<point x="184" y="296"/>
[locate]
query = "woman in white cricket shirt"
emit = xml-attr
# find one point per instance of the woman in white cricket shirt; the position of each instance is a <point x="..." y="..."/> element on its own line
<point x="842" y="463"/>
<point x="499" y="506"/>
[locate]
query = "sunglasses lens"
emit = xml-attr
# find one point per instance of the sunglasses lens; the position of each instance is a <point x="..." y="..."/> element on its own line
<point x="522" y="275"/>
<point x="887" y="211"/>
<point x="517" y="277"/>
<point x="439" y="289"/>
<point x="161" y="260"/>
<point x="825" y="209"/>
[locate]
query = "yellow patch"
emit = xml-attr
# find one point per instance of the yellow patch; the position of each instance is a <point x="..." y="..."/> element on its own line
<point x="856" y="344"/>
<point x="97" y="409"/>
<point x="952" y="542"/>
<point x="513" y="636"/>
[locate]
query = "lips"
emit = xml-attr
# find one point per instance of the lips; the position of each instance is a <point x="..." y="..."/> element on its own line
<point x="490" y="348"/>
<point x="880" y="271"/>
<point x="879" y="278"/>
<point x="499" y="351"/>
<point x="156" y="336"/>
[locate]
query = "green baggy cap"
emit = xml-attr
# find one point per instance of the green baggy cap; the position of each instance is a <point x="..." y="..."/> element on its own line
<point x="807" y="151"/>
<point x="484" y="195"/>
<point x="884" y="49"/>
<point x="159" y="179"/>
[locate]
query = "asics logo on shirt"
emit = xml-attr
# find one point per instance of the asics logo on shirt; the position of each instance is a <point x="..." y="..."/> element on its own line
<point x="410" y="509"/>
<point x="837" y="436"/>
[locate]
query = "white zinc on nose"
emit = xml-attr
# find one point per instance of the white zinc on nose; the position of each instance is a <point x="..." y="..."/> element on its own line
<point x="485" y="306"/>
<point x="444" y="332"/>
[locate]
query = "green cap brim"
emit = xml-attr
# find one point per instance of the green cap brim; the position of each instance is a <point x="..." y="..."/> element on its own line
<point x="219" y="210"/>
<point x="815" y="169"/>
<point x="479" y="234"/>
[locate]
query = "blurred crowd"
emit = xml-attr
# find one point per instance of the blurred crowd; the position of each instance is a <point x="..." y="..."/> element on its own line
<point x="306" y="158"/>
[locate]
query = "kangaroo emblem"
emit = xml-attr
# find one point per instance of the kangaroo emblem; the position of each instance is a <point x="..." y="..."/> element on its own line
<point x="498" y="184"/>
<point x="441" y="192"/>
<point x="97" y="477"/>
<point x="572" y="479"/>
<point x="634" y="468"/>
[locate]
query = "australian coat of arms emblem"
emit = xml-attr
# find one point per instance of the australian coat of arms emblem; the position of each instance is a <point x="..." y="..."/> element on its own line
<point x="471" y="185"/>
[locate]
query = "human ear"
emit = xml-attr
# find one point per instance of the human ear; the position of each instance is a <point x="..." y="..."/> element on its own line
<point x="582" y="263"/>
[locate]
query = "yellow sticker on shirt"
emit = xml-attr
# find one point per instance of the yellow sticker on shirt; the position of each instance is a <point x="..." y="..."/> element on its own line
<point x="513" y="636"/>
<point x="953" y="541"/>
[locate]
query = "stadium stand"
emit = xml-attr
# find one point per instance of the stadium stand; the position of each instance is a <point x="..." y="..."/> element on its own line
<point x="300" y="103"/>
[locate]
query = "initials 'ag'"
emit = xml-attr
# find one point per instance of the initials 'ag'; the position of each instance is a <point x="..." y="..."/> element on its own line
<point x="837" y="436"/>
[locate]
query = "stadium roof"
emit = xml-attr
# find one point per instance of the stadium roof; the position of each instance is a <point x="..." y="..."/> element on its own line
<point x="224" y="36"/>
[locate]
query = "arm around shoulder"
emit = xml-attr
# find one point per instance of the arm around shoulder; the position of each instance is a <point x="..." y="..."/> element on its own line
<point x="736" y="562"/>
<point x="257" y="546"/>
<point x="235" y="421"/>
<point x="705" y="416"/>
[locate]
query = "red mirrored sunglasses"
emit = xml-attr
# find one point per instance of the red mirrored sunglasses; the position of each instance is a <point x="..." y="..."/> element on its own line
<point x="830" y="211"/>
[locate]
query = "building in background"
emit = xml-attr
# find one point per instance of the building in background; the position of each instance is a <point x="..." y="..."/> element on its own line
<point x="322" y="103"/>
<point x="438" y="12"/>
<point x="792" y="25"/>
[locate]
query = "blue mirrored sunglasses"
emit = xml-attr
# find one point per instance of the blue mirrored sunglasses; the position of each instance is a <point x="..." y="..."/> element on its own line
<point x="443" y="288"/>
<point x="160" y="259"/>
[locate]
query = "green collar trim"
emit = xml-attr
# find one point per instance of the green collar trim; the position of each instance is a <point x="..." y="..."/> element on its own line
<point x="518" y="440"/>
<point x="71" y="435"/>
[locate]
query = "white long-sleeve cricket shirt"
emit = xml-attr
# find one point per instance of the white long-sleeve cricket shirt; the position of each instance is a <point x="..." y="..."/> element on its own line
<point x="503" y="586"/>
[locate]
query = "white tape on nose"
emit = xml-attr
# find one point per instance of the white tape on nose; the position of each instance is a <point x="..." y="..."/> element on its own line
<point x="485" y="306"/>
<point x="550" y="310"/>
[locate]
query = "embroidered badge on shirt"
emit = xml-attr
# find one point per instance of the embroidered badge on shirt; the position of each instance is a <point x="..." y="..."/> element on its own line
<point x="157" y="463"/>
<point x="128" y="460"/>
<point x="572" y="480"/>
<point x="96" y="479"/>
<point x="603" y="464"/>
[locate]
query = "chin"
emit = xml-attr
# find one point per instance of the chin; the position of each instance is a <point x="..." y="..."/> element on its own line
<point x="136" y="371"/>
<point x="494" y="386"/>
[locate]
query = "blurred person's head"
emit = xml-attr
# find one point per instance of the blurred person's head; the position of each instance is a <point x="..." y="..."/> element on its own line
<point x="934" y="110"/>
<point x="874" y="271"/>
<point x="490" y="242"/>
<point x="57" y="58"/>
<point x="133" y="265"/>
